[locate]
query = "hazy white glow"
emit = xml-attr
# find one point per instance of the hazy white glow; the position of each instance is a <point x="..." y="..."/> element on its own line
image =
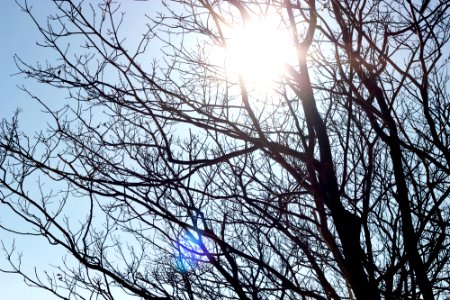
<point x="258" y="51"/>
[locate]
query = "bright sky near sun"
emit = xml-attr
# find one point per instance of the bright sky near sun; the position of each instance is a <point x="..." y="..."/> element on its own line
<point x="259" y="50"/>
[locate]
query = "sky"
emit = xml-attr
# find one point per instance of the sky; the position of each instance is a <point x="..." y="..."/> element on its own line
<point x="18" y="36"/>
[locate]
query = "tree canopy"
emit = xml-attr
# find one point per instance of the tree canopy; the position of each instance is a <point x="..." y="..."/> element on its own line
<point x="260" y="149"/>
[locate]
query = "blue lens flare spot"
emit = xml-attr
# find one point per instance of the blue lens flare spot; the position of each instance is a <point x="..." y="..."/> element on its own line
<point x="188" y="252"/>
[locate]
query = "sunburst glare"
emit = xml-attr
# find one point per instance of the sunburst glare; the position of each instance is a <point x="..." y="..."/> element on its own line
<point x="258" y="51"/>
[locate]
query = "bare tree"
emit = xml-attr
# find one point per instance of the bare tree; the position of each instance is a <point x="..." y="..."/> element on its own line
<point x="189" y="183"/>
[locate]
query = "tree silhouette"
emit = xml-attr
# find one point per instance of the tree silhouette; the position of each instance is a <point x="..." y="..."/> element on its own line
<point x="176" y="180"/>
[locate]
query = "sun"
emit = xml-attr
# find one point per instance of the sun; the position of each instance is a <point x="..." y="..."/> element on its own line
<point x="258" y="51"/>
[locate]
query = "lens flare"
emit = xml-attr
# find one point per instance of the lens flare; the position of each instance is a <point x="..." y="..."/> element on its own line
<point x="188" y="252"/>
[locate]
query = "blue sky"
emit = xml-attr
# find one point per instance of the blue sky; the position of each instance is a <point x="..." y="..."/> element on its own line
<point x="18" y="36"/>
